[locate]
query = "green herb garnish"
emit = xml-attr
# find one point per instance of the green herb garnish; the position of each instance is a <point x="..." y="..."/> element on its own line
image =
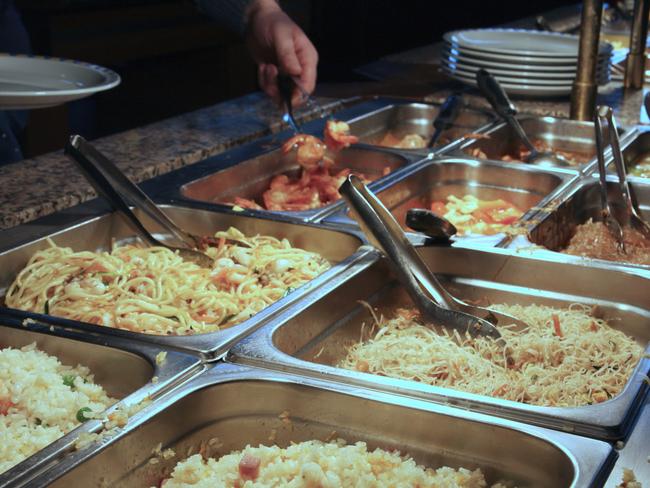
<point x="288" y="290"/>
<point x="81" y="414"/>
<point x="68" y="380"/>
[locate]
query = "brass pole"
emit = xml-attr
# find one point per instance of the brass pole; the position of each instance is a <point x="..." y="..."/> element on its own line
<point x="635" y="62"/>
<point x="585" y="87"/>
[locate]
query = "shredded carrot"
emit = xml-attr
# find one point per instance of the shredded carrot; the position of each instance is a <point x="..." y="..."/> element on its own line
<point x="556" y="325"/>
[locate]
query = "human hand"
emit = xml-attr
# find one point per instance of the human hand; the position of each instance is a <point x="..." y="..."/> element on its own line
<point x="278" y="44"/>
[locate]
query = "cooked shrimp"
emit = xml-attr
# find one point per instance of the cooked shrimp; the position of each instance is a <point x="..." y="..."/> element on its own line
<point x="337" y="135"/>
<point x="311" y="150"/>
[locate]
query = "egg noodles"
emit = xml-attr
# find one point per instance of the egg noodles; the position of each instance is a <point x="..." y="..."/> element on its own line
<point x="153" y="290"/>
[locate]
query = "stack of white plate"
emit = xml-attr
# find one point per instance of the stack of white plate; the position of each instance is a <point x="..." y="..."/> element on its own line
<point x="525" y="62"/>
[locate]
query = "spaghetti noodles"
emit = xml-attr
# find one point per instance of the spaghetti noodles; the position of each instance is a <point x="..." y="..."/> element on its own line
<point x="566" y="357"/>
<point x="152" y="290"/>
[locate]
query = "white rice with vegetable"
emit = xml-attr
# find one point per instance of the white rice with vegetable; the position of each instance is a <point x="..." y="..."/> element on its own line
<point x="314" y="464"/>
<point x="41" y="400"/>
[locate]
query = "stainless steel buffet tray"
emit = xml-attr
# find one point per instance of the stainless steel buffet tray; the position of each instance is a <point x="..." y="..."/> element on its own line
<point x="635" y="453"/>
<point x="127" y="370"/>
<point x="636" y="150"/>
<point x="560" y="134"/>
<point x="400" y="119"/>
<point x="251" y="178"/>
<point x="555" y="225"/>
<point x="99" y="232"/>
<point x="314" y="335"/>
<point x="528" y="187"/>
<point x="232" y="406"/>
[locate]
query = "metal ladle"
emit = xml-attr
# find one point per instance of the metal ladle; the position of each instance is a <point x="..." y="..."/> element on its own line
<point x="113" y="185"/>
<point x="430" y="224"/>
<point x="631" y="216"/>
<point x="383" y="231"/>
<point x="498" y="99"/>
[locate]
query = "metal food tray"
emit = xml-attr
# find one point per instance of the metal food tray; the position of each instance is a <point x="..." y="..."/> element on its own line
<point x="554" y="225"/>
<point x="313" y="335"/>
<point x="401" y="119"/>
<point x="251" y="178"/>
<point x="560" y="134"/>
<point x="528" y="187"/>
<point x="634" y="454"/>
<point x="232" y="406"/>
<point x="98" y="233"/>
<point x="127" y="370"/>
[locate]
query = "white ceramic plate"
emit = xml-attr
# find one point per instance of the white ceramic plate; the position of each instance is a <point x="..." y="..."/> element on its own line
<point x="602" y="75"/>
<point x="522" y="76"/>
<point x="519" y="89"/>
<point x="508" y="58"/>
<point x="28" y="82"/>
<point x="518" y="42"/>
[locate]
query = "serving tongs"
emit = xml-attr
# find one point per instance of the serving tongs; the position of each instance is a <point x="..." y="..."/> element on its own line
<point x="286" y="84"/>
<point x="445" y="118"/>
<point x="437" y="306"/>
<point x="113" y="185"/>
<point x="504" y="108"/>
<point x="630" y="216"/>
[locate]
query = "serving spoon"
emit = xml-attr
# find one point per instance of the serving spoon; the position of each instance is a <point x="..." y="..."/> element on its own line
<point x="445" y="118"/>
<point x="113" y="185"/>
<point x="632" y="217"/>
<point x="430" y="224"/>
<point x="437" y="306"/>
<point x="286" y="85"/>
<point x="498" y="99"/>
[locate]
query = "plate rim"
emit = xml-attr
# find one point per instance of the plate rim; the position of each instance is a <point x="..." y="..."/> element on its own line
<point x="111" y="78"/>
<point x="447" y="37"/>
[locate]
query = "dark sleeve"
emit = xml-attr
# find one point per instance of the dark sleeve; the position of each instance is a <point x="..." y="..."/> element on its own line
<point x="229" y="13"/>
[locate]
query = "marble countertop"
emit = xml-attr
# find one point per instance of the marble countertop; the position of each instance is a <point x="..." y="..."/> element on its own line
<point x="36" y="187"/>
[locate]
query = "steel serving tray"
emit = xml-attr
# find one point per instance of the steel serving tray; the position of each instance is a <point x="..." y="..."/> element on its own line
<point x="252" y="177"/>
<point x="400" y="119"/>
<point x="635" y="454"/>
<point x="314" y="335"/>
<point x="129" y="371"/>
<point x="232" y="406"/>
<point x="98" y="233"/>
<point x="528" y="187"/>
<point x="635" y="151"/>
<point x="561" y="134"/>
<point x="553" y="226"/>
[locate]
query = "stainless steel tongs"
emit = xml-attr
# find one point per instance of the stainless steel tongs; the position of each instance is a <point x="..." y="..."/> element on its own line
<point x="437" y="305"/>
<point x="113" y="185"/>
<point x="630" y="216"/>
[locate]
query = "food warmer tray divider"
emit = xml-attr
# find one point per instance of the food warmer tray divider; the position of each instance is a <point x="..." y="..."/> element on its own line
<point x="312" y="335"/>
<point x="343" y="249"/>
<point x="128" y="370"/>
<point x="240" y="405"/>
<point x="552" y="226"/>
<point x="524" y="185"/>
<point x="228" y="174"/>
<point x="634" y="454"/>
<point x="572" y="135"/>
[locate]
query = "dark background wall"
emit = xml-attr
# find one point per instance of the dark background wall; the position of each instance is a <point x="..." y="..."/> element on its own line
<point x="173" y="60"/>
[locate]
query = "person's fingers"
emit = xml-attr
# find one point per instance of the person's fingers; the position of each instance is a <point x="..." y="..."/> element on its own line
<point x="308" y="57"/>
<point x="268" y="79"/>
<point x="285" y="49"/>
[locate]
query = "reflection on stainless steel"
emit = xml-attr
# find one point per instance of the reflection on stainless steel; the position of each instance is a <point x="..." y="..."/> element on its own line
<point x="99" y="232"/>
<point x="125" y="369"/>
<point x="561" y="135"/>
<point x="400" y="120"/>
<point x="240" y="406"/>
<point x="250" y="179"/>
<point x="558" y="223"/>
<point x="525" y="187"/>
<point x="636" y="57"/>
<point x="316" y="333"/>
